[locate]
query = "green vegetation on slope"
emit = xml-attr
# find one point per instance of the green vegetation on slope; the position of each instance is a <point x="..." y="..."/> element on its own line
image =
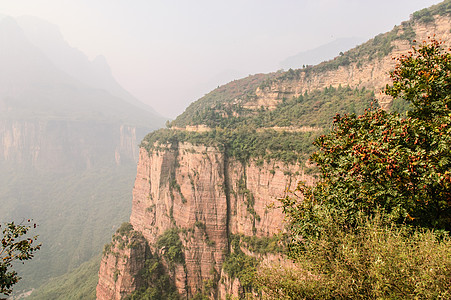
<point x="426" y="15"/>
<point x="374" y="260"/>
<point x="155" y="279"/>
<point x="249" y="137"/>
<point x="225" y="94"/>
<point x="239" y="265"/>
<point x="315" y="109"/>
<point x="158" y="284"/>
<point x="79" y="283"/>
<point x="76" y="212"/>
<point x="172" y="247"/>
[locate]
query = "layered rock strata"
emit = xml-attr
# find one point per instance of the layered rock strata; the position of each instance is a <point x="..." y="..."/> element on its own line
<point x="122" y="261"/>
<point x="208" y="197"/>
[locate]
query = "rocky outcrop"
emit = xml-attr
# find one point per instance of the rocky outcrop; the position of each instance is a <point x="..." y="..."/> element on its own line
<point x="121" y="263"/>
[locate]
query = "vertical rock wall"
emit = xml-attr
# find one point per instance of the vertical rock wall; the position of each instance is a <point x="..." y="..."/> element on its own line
<point x="62" y="144"/>
<point x="207" y="197"/>
<point x="122" y="261"/>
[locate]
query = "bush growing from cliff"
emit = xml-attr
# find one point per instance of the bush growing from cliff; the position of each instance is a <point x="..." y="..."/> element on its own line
<point x="239" y="265"/>
<point x="171" y="246"/>
<point x="157" y="283"/>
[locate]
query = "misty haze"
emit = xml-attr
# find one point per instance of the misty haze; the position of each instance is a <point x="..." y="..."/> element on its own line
<point x="235" y="150"/>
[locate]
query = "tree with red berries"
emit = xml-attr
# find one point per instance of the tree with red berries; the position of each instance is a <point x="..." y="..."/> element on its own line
<point x="398" y="165"/>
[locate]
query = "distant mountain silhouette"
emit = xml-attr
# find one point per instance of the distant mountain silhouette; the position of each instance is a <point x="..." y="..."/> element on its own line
<point x="41" y="75"/>
<point x="321" y="53"/>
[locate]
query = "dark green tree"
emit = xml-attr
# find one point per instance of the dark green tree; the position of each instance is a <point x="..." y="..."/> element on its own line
<point x="15" y="246"/>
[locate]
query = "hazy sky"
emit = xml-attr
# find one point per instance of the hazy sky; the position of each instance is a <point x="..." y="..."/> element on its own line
<point x="169" y="53"/>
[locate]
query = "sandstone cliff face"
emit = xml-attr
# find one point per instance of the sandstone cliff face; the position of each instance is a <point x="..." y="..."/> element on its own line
<point x="197" y="189"/>
<point x="182" y="187"/>
<point x="208" y="197"/>
<point x="121" y="263"/>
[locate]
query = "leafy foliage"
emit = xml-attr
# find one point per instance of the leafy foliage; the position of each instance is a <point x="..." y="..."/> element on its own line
<point x="315" y="109"/>
<point x="426" y="15"/>
<point x="242" y="143"/>
<point x="248" y="137"/>
<point x="423" y="78"/>
<point x="154" y="278"/>
<point x="239" y="265"/>
<point x="157" y="283"/>
<point x="79" y="283"/>
<point x="14" y="247"/>
<point x="171" y="246"/>
<point x="262" y="245"/>
<point x="125" y="229"/>
<point x="125" y="237"/>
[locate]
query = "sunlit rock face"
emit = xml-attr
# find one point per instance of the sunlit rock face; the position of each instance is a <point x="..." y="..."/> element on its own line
<point x="197" y="189"/>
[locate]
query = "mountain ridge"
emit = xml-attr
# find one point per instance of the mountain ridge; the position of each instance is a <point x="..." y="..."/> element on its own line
<point x="321" y="53"/>
<point x="96" y="73"/>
